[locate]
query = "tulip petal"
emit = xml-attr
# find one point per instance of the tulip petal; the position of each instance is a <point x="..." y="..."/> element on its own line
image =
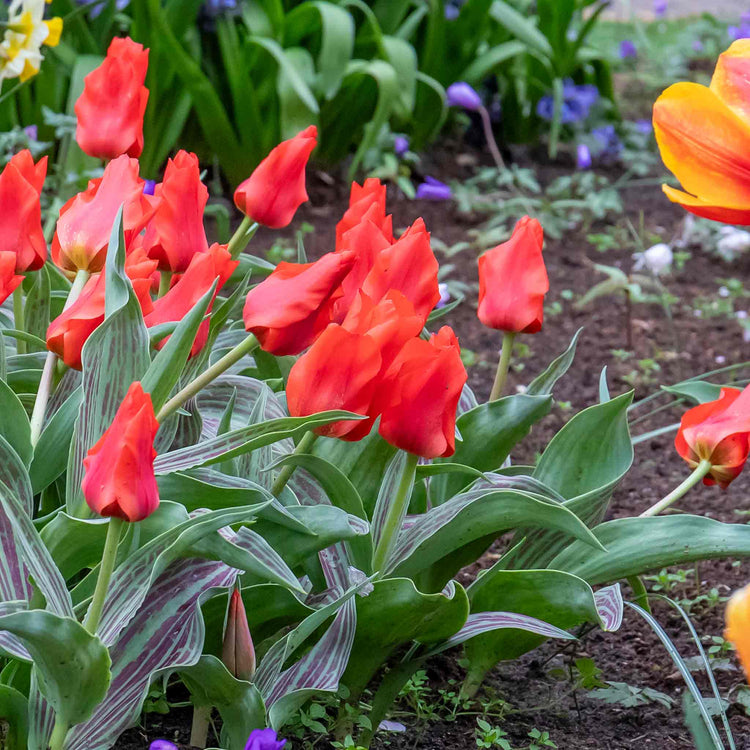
<point x="731" y="78"/>
<point x="726" y="214"/>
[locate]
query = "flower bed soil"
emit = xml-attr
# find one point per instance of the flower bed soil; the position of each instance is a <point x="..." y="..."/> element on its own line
<point x="633" y="654"/>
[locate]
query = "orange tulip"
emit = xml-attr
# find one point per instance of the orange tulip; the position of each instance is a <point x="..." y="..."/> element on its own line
<point x="276" y="188"/>
<point x="367" y="199"/>
<point x="717" y="432"/>
<point x="119" y="479"/>
<point x="176" y="232"/>
<point x="289" y="310"/>
<point x="85" y="223"/>
<point x="110" y="110"/>
<point x="703" y="134"/>
<point x="422" y="389"/>
<point x="9" y="281"/>
<point x="513" y="281"/>
<point x="20" y="211"/>
<point x="737" y="617"/>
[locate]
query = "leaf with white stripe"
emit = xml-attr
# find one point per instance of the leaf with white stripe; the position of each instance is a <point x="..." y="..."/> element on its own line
<point x="610" y="606"/>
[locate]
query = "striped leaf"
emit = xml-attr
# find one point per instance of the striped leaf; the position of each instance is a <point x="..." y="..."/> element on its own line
<point x="610" y="606"/>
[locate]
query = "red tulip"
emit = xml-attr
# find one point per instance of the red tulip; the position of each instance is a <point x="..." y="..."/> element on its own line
<point x="20" y="211"/>
<point x="110" y="109"/>
<point x="119" y="479"/>
<point x="421" y="389"/>
<point x="276" y="189"/>
<point x="203" y="269"/>
<point x="70" y="330"/>
<point x="288" y="310"/>
<point x="718" y="432"/>
<point x="9" y="281"/>
<point x="176" y="232"/>
<point x="237" y="651"/>
<point x="409" y="265"/>
<point x="366" y="199"/>
<point x="513" y="281"/>
<point x="85" y="223"/>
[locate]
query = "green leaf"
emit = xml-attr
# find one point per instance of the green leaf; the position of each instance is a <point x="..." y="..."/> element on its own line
<point x="14" y="424"/>
<point x="697" y="391"/>
<point x="544" y="383"/>
<point x="13" y="717"/>
<point x="486" y="63"/>
<point x="37" y="305"/>
<point x="521" y="27"/>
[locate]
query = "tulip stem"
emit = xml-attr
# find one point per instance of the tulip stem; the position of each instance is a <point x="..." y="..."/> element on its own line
<point x="242" y="236"/>
<point x="165" y="280"/>
<point x="18" y="318"/>
<point x="697" y="474"/>
<point x="304" y="446"/>
<point x="502" y="366"/>
<point x="48" y="373"/>
<point x="194" y="386"/>
<point x="109" y="555"/>
<point x="395" y="515"/>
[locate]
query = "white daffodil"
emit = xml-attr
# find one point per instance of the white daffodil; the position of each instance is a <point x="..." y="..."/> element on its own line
<point x="25" y="33"/>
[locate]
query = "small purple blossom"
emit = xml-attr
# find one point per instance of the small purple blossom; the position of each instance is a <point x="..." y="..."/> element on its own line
<point x="583" y="156"/>
<point x="697" y="45"/>
<point x="644" y="126"/>
<point x="162" y="745"/>
<point x="433" y="190"/>
<point x="99" y="7"/>
<point x="451" y="12"/>
<point x="576" y="104"/>
<point x="400" y="145"/>
<point x="149" y="187"/>
<point x="445" y="295"/>
<point x="660" y="8"/>
<point x="608" y="141"/>
<point x="628" y="49"/>
<point x="460" y="94"/>
<point x="264" y="739"/>
<point x="31" y="132"/>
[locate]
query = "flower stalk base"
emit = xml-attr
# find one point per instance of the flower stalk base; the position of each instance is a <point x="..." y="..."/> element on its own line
<point x="696" y="476"/>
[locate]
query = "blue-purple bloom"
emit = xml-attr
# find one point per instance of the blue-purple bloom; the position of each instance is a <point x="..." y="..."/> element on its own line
<point x="644" y="126"/>
<point x="576" y="104"/>
<point x="433" y="190"/>
<point x="660" y="8"/>
<point x="264" y="739"/>
<point x="628" y="49"/>
<point x="162" y="745"/>
<point x="400" y="145"/>
<point x="445" y="295"/>
<point x="149" y="187"/>
<point x="32" y="132"/>
<point x="697" y="45"/>
<point x="99" y="7"/>
<point x="583" y="156"/>
<point x="608" y="141"/>
<point x="739" y="32"/>
<point x="461" y="94"/>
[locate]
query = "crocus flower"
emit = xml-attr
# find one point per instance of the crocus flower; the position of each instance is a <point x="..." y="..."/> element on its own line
<point x="202" y="271"/>
<point x="162" y="745"/>
<point x="433" y="190"/>
<point x="421" y="389"/>
<point x="366" y="199"/>
<point x="576" y="104"/>
<point x="445" y="295"/>
<point x="9" y="281"/>
<point x="737" y="617"/>
<point x="176" y="233"/>
<point x="703" y="134"/>
<point x="400" y="145"/>
<point x="20" y="211"/>
<point x="264" y="739"/>
<point x="513" y="281"/>
<point x="276" y="188"/>
<point x="25" y="33"/>
<point x="583" y="156"/>
<point x="628" y="49"/>
<point x="237" y="651"/>
<point x="461" y="94"/>
<point x="289" y="310"/>
<point x="110" y="110"/>
<point x="70" y="330"/>
<point x="717" y="432"/>
<point x="119" y="479"/>
<point x="85" y="223"/>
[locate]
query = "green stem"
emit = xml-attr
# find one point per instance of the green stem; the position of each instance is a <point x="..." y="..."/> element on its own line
<point x="199" y="727"/>
<point x="697" y="474"/>
<point x="395" y="514"/>
<point x="59" y="733"/>
<point x="242" y="236"/>
<point x="109" y="555"/>
<point x="213" y="372"/>
<point x="18" y="318"/>
<point x="304" y="446"/>
<point x="502" y="366"/>
<point x="48" y="373"/>
<point x="165" y="279"/>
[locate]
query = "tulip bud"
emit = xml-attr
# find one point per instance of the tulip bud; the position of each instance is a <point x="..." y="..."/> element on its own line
<point x="367" y="200"/>
<point x="237" y="650"/>
<point x="737" y="618"/>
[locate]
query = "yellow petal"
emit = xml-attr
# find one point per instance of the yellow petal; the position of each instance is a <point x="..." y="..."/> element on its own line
<point x="29" y="71"/>
<point x="731" y="79"/>
<point x="727" y="214"/>
<point x="54" y="27"/>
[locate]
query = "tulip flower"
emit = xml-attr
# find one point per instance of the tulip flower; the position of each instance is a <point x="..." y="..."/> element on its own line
<point x="110" y="110"/>
<point x="289" y="310"/>
<point x="9" y="281"/>
<point x="203" y="269"/>
<point x="85" y="223"/>
<point x="737" y="617"/>
<point x="237" y="651"/>
<point x="367" y="200"/>
<point x="20" y="211"/>
<point x="703" y="134"/>
<point x="119" y="479"/>
<point x="176" y="232"/>
<point x="70" y="330"/>
<point x="264" y="739"/>
<point x="276" y="188"/>
<point x="422" y="389"/>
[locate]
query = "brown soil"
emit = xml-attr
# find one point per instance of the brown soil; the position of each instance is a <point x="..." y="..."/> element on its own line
<point x="634" y="654"/>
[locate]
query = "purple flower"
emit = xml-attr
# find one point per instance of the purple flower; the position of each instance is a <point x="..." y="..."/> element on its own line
<point x="583" y="156"/>
<point x="697" y="45"/>
<point x="149" y="187"/>
<point x="400" y="145"/>
<point x="460" y="94"/>
<point x="660" y="8"/>
<point x="608" y="140"/>
<point x="577" y="101"/>
<point x="99" y="7"/>
<point x="451" y="12"/>
<point x="433" y="190"/>
<point x="162" y="745"/>
<point x="644" y="126"/>
<point x="264" y="739"/>
<point x="445" y="295"/>
<point x="627" y="49"/>
<point x="31" y="132"/>
<point x="745" y="17"/>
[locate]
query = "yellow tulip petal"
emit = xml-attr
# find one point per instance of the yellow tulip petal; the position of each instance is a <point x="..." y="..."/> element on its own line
<point x="731" y="79"/>
<point x="704" y="144"/>
<point x="727" y="214"/>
